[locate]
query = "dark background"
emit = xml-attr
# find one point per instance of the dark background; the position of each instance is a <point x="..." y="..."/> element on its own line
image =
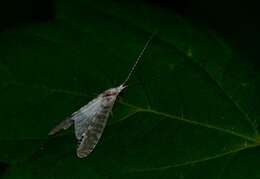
<point x="236" y="21"/>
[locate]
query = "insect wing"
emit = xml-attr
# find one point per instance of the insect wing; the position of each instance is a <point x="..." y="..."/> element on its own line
<point x="91" y="136"/>
<point x="63" y="125"/>
<point x="82" y="118"/>
<point x="94" y="130"/>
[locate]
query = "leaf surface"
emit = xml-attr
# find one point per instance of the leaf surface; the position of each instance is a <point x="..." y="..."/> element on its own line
<point x="190" y="111"/>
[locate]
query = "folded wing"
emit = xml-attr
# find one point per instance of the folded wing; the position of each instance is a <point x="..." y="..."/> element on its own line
<point x="83" y="117"/>
<point x="65" y="124"/>
<point x="92" y="134"/>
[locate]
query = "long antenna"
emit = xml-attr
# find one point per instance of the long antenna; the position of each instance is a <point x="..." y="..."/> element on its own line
<point x="138" y="58"/>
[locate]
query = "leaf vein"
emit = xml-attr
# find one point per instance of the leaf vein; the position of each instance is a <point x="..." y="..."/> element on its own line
<point x="162" y="168"/>
<point x="191" y="122"/>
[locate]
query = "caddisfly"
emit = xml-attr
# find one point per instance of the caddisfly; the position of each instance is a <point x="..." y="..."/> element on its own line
<point x="90" y="120"/>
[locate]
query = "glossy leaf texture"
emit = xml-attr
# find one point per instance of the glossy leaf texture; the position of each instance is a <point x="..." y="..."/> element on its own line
<point x="191" y="109"/>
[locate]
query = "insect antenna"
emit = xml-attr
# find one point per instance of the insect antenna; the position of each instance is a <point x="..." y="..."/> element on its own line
<point x="138" y="58"/>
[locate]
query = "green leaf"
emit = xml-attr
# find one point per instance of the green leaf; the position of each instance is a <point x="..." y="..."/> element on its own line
<point x="190" y="111"/>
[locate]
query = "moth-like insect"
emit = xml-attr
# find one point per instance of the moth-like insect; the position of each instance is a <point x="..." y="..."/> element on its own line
<point x="90" y="120"/>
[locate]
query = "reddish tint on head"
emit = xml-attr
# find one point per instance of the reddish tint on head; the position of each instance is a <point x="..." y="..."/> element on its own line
<point x="110" y="93"/>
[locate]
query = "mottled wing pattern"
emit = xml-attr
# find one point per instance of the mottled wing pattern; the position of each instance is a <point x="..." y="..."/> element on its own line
<point x="80" y="118"/>
<point x="90" y="120"/>
<point x="94" y="130"/>
<point x="65" y="124"/>
<point x="84" y="116"/>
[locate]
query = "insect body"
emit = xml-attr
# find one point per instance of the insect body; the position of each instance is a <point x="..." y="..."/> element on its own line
<point x="90" y="120"/>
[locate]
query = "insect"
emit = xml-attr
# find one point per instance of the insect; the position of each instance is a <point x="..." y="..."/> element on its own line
<point x="90" y="120"/>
